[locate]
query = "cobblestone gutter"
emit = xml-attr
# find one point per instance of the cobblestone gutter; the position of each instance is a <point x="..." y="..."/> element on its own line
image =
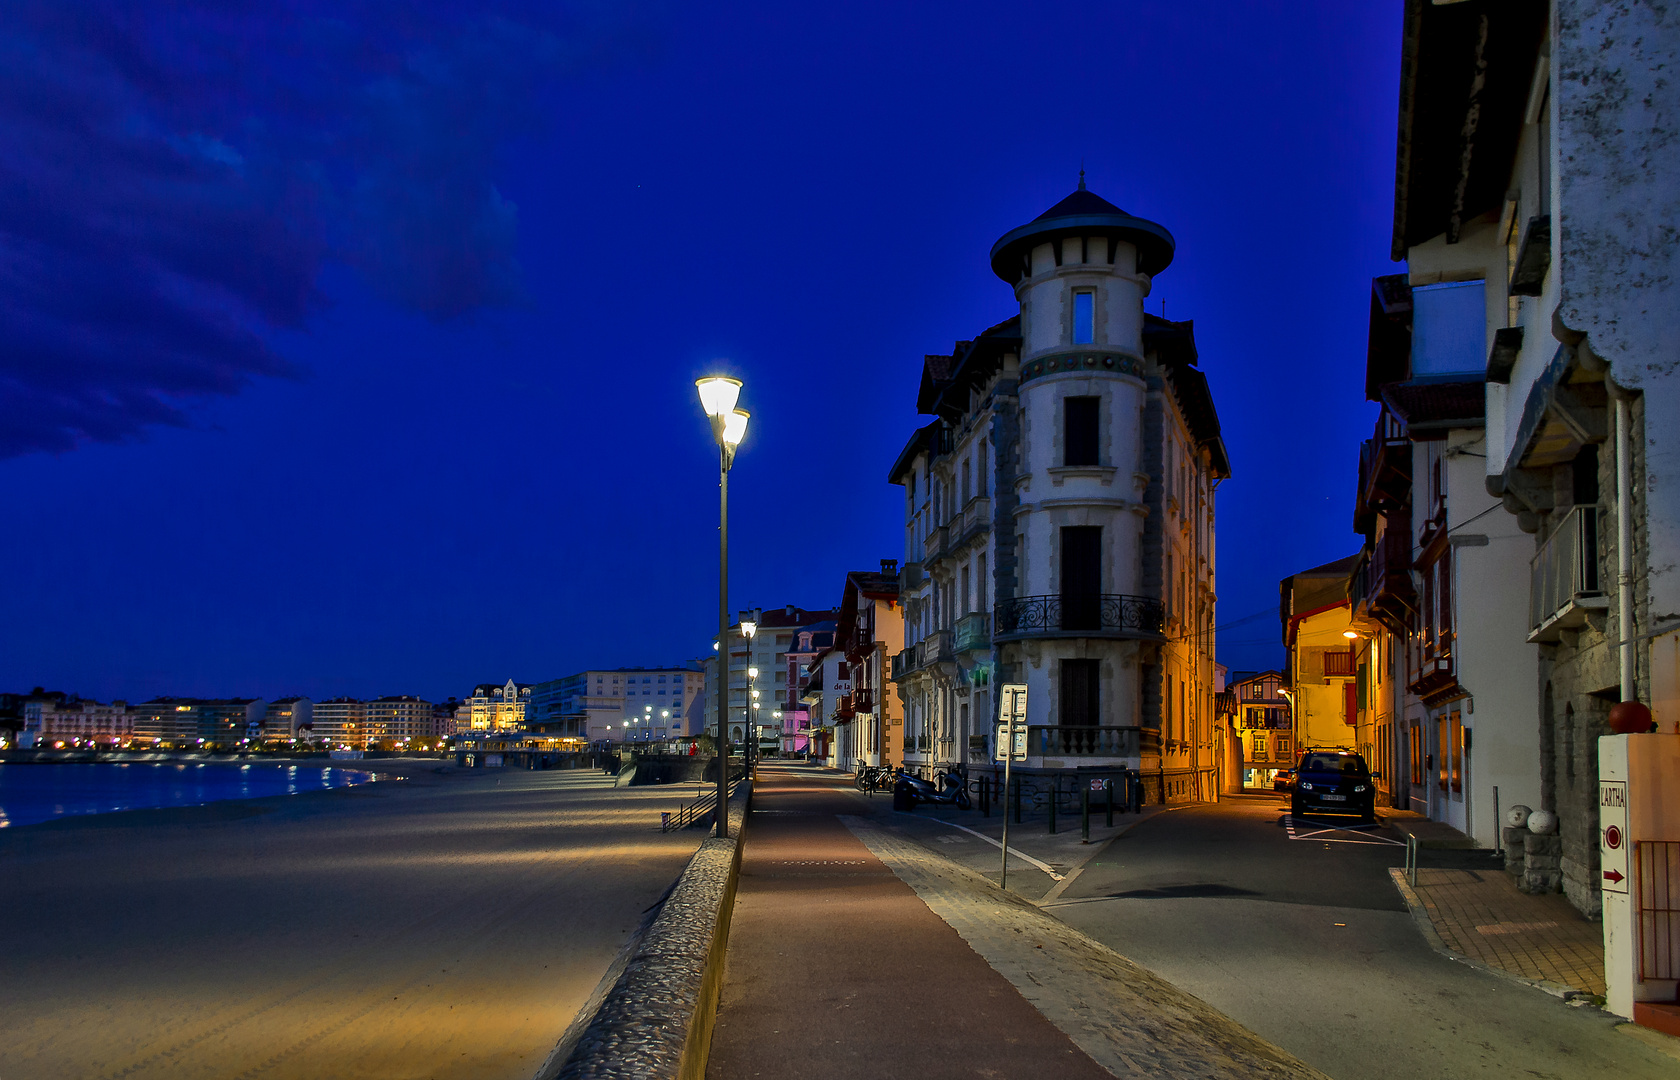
<point x="1128" y="1020"/>
<point x="656" y="1021"/>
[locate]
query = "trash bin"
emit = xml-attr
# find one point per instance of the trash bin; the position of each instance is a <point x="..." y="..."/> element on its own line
<point x="903" y="798"/>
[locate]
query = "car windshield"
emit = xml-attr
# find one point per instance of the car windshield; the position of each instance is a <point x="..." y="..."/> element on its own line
<point x="1337" y="763"/>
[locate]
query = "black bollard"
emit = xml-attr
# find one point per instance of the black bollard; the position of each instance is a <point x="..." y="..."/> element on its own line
<point x="1085" y="813"/>
<point x="1055" y="790"/>
<point x="985" y="796"/>
<point x="1109" y="784"/>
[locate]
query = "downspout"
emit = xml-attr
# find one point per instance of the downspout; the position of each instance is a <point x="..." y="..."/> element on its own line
<point x="1624" y="531"/>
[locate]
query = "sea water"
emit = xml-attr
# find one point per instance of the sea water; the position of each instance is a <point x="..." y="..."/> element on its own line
<point x="42" y="792"/>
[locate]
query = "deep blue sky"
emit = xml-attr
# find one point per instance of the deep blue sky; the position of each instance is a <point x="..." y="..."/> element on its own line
<point x="351" y="351"/>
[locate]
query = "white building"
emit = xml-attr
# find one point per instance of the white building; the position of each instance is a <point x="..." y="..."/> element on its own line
<point x="1059" y="517"/>
<point x="1552" y="221"/>
<point x="619" y="704"/>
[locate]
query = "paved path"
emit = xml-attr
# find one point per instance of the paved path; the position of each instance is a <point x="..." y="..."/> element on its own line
<point x="439" y="926"/>
<point x="857" y="954"/>
<point x="1483" y="915"/>
<point x="1299" y="934"/>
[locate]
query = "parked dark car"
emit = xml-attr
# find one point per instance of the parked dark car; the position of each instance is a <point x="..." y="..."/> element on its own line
<point x="1334" y="782"/>
<point x="1284" y="780"/>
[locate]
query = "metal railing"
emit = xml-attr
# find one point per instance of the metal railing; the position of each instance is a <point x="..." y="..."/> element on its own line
<point x="1080" y="741"/>
<point x="1566" y="566"/>
<point x="1107" y="613"/>
<point x="693" y="812"/>
<point x="1656" y="871"/>
<point x="974" y="631"/>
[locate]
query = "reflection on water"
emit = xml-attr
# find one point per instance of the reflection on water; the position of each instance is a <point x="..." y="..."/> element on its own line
<point x="34" y="793"/>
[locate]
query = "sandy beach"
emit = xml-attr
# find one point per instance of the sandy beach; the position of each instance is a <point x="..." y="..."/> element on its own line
<point x="445" y="924"/>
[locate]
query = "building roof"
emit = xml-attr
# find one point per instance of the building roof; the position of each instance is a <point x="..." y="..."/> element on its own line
<point x="1436" y="404"/>
<point x="1317" y="589"/>
<point x="924" y="438"/>
<point x="1465" y="73"/>
<point x="1082" y="213"/>
<point x="1174" y="345"/>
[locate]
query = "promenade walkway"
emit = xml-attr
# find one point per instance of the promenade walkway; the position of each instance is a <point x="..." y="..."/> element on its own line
<point x="856" y="954"/>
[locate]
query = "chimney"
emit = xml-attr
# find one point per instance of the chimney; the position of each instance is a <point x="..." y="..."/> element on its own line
<point x="889" y="567"/>
<point x="790" y="611"/>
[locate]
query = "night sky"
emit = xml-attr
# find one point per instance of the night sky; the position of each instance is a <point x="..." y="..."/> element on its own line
<point x="350" y="351"/>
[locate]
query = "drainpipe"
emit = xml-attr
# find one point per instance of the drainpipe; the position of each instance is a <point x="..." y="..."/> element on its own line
<point x="1624" y="531"/>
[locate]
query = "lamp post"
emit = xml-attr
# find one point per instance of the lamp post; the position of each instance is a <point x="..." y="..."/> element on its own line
<point x="718" y="395"/>
<point x="752" y="705"/>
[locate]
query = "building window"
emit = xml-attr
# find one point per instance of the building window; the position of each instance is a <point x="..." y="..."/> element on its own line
<point x="1079" y="431"/>
<point x="1084" y="318"/>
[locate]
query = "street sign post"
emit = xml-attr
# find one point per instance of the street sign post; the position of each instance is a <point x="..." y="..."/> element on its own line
<point x="1012" y="746"/>
<point x="1612" y="835"/>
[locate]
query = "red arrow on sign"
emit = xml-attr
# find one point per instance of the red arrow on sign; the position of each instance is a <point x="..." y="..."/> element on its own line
<point x="1613" y="876"/>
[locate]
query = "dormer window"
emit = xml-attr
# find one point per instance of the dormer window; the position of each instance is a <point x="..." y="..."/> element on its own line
<point x="1084" y="317"/>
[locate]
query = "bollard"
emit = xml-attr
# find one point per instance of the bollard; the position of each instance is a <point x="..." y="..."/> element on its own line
<point x="985" y="796"/>
<point x="1085" y="813"/>
<point x="1055" y="790"/>
<point x="1109" y="799"/>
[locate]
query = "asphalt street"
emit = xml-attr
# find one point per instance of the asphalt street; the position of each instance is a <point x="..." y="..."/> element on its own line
<point x="449" y="924"/>
<point x="1295" y="931"/>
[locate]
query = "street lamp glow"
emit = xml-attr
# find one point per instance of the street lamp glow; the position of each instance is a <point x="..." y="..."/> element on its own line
<point x="735" y="427"/>
<point x="748" y="628"/>
<point x="718" y="395"/>
<point x="1350" y="634"/>
<point x="752" y="673"/>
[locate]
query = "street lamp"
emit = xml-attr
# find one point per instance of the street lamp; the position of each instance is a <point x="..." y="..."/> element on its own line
<point x="718" y="395"/>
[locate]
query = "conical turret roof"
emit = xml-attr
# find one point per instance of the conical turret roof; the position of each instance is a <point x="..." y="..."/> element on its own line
<point x="1082" y="213"/>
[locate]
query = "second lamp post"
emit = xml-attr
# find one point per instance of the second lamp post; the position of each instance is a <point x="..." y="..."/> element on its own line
<point x="718" y="395"/>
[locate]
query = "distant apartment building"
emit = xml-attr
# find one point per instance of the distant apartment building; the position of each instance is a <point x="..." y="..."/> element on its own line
<point x="341" y="722"/>
<point x="60" y="718"/>
<point x="443" y="718"/>
<point x="767" y="650"/>
<point x="285" y="718"/>
<point x="809" y="642"/>
<point x="495" y="707"/>
<point x="621" y="704"/>
<point x="176" y="721"/>
<point x="400" y="719"/>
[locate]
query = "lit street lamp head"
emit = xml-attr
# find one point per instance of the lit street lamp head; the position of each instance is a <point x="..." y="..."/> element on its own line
<point x="718" y="395"/>
<point x="735" y="428"/>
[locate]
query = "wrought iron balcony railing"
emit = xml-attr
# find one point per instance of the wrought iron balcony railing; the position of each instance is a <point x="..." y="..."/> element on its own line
<point x="907" y="661"/>
<point x="1105" y="615"/>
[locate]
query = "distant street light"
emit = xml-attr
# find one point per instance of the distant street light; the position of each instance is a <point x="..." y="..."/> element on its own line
<point x="718" y="395"/>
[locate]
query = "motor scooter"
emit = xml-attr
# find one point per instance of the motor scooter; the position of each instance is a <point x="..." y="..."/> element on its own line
<point x="952" y="788"/>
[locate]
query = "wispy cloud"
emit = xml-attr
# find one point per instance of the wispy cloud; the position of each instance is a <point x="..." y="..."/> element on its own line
<point x="173" y="177"/>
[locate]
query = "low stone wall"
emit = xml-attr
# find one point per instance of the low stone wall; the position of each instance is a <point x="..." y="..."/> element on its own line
<point x="656" y="1021"/>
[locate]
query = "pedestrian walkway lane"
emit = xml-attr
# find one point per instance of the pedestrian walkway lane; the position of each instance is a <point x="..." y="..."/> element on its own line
<point x="846" y="965"/>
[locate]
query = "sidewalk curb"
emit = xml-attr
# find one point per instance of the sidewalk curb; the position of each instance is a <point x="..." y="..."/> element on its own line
<point x="656" y="1021"/>
<point x="1420" y="916"/>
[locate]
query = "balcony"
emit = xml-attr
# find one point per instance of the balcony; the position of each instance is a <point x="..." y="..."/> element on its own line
<point x="974" y="632"/>
<point x="936" y="648"/>
<point x="1109" y="615"/>
<point x="906" y="662"/>
<point x="1563" y="582"/>
<point x="863" y="701"/>
<point x="934" y="545"/>
<point x="1080" y="741"/>
<point x="974" y="521"/>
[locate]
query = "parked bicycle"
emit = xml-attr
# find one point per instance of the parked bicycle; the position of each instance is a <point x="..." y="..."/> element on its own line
<point x="874" y="777"/>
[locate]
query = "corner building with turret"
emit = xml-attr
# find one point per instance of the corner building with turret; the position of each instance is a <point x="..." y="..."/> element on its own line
<point x="1059" y="526"/>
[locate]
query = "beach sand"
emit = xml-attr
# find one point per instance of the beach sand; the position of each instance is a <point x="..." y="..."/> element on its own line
<point x="442" y="925"/>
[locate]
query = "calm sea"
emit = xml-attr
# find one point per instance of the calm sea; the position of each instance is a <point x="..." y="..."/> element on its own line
<point x="35" y="793"/>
